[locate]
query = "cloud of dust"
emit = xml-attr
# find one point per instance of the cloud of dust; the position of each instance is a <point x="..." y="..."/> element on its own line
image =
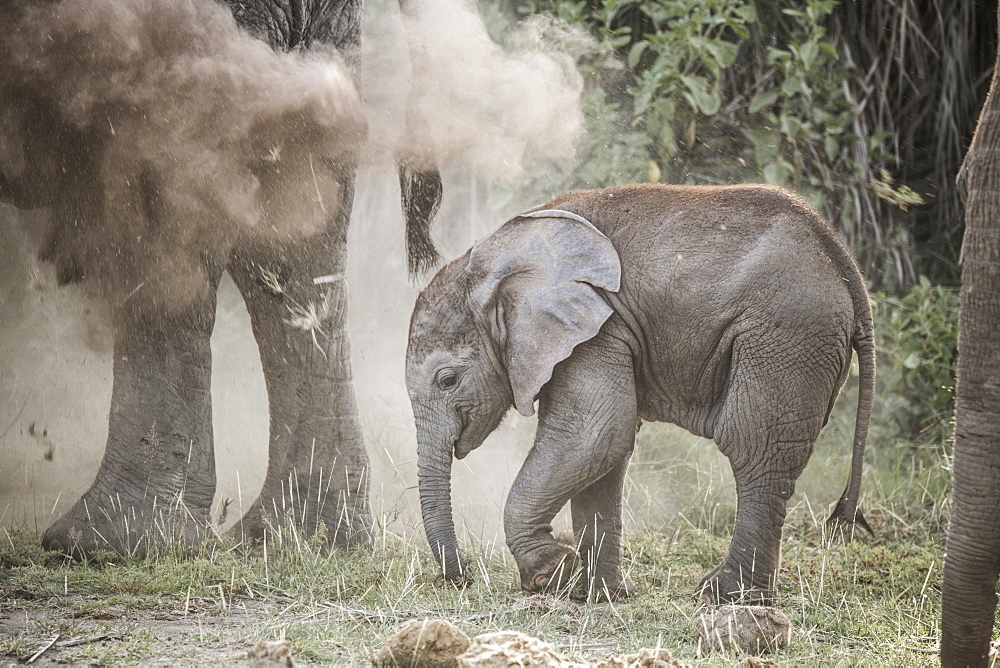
<point x="498" y="111"/>
<point x="206" y="112"/>
<point x="160" y="135"/>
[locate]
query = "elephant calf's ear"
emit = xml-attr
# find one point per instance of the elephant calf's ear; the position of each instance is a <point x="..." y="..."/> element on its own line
<point x="539" y="274"/>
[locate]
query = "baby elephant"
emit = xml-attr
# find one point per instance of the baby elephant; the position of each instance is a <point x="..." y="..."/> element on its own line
<point x="730" y="311"/>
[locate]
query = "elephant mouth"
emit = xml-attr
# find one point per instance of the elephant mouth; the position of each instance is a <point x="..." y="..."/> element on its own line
<point x="463" y="444"/>
<point x="462" y="449"/>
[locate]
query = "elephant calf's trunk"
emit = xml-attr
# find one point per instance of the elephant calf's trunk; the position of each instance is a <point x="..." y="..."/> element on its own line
<point x="434" y="470"/>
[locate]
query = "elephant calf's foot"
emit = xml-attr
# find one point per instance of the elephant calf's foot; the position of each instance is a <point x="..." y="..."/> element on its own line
<point x="605" y="588"/>
<point x="547" y="569"/>
<point x="125" y="529"/>
<point x="731" y="584"/>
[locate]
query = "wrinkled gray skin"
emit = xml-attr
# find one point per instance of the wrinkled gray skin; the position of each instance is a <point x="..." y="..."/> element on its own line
<point x="730" y="311"/>
<point x="971" y="567"/>
<point x="159" y="450"/>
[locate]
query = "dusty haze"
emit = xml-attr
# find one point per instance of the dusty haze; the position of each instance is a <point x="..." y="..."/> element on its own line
<point x="160" y="135"/>
<point x="207" y="116"/>
<point x="498" y="112"/>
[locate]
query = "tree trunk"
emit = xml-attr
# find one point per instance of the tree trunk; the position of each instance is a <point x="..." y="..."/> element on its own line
<point x="972" y="563"/>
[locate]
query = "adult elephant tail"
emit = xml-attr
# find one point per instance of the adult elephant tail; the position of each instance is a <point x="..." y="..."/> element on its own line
<point x="846" y="514"/>
<point x="420" y="186"/>
<point x="420" y="189"/>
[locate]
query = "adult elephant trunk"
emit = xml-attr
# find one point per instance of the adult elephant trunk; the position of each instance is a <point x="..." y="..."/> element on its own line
<point x="972" y="563"/>
<point x="970" y="573"/>
<point x="434" y="472"/>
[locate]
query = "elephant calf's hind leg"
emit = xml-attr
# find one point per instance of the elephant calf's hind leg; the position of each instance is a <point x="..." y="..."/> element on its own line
<point x="769" y="424"/>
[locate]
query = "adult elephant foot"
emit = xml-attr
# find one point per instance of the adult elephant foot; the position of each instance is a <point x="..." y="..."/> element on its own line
<point x="317" y="476"/>
<point x="128" y="529"/>
<point x="157" y="478"/>
<point x="311" y="505"/>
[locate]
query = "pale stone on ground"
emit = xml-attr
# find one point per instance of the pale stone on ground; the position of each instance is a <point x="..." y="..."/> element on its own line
<point x="753" y="629"/>
<point x="271" y="654"/>
<point x="435" y="643"/>
<point x="510" y="648"/>
<point x="431" y="643"/>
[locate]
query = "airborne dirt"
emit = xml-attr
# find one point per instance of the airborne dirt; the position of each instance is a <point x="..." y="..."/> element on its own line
<point x="55" y="366"/>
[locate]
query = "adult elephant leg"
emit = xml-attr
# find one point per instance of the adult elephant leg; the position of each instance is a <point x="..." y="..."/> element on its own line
<point x="597" y="526"/>
<point x="317" y="471"/>
<point x="157" y="477"/>
<point x="769" y="423"/>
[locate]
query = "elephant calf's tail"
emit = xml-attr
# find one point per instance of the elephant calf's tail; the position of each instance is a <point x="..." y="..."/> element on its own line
<point x="846" y="514"/>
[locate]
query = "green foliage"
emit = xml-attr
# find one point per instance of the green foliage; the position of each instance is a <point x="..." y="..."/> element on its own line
<point x="731" y="91"/>
<point x="680" y="62"/>
<point x="916" y="336"/>
<point x="802" y="134"/>
<point x="664" y="76"/>
<point x="789" y="126"/>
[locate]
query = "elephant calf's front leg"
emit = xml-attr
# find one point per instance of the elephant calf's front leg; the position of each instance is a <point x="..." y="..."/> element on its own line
<point x="597" y="525"/>
<point x="586" y="432"/>
<point x="536" y="496"/>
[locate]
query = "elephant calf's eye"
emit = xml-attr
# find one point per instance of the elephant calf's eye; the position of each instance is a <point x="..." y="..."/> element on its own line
<point x="447" y="379"/>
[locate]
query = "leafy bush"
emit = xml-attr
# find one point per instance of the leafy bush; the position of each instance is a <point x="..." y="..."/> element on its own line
<point x="777" y="114"/>
<point x="916" y="337"/>
<point x="729" y="91"/>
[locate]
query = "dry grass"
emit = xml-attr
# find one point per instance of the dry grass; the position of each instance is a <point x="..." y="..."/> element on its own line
<point x="864" y="603"/>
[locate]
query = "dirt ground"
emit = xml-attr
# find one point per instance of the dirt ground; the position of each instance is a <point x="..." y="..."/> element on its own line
<point x="85" y="631"/>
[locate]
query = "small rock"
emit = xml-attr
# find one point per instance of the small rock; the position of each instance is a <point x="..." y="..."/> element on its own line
<point x="503" y="649"/>
<point x="645" y="658"/>
<point x="753" y="629"/>
<point x="431" y="643"/>
<point x="271" y="654"/>
<point x="757" y="662"/>
<point x="548" y="603"/>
